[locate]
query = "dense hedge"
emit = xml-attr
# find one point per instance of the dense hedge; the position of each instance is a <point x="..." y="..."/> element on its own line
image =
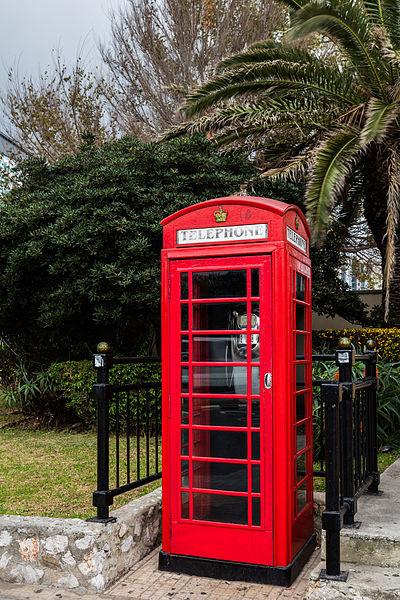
<point x="73" y="380"/>
<point x="387" y="340"/>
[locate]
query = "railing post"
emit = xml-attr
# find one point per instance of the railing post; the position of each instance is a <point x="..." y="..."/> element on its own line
<point x="102" y="392"/>
<point x="372" y="452"/>
<point x="345" y="359"/>
<point x="332" y="520"/>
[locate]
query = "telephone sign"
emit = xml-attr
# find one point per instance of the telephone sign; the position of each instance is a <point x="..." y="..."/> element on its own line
<point x="237" y="405"/>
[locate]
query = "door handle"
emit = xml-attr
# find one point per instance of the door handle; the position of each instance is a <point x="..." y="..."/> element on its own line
<point x="268" y="381"/>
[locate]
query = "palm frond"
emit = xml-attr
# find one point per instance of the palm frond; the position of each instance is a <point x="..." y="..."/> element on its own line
<point x="385" y="48"/>
<point x="386" y="13"/>
<point x="392" y="221"/>
<point x="294" y="4"/>
<point x="333" y="161"/>
<point x="264" y="52"/>
<point x="228" y="123"/>
<point x="348" y="26"/>
<point x="379" y="118"/>
<point x="292" y="169"/>
<point x="275" y="77"/>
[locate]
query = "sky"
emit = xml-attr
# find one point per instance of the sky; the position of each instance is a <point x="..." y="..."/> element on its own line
<point x="31" y="29"/>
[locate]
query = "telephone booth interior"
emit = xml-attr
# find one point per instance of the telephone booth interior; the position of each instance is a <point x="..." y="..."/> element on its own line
<point x="237" y="404"/>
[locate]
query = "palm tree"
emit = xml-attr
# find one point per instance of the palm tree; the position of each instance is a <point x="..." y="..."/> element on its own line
<point x="332" y="116"/>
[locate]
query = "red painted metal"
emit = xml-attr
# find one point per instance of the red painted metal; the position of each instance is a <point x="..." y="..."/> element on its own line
<point x="194" y="440"/>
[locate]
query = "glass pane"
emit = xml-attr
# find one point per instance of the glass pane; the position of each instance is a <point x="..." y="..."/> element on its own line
<point x="255" y="285"/>
<point x="255" y="413"/>
<point x="185" y="473"/>
<point x="255" y="445"/>
<point x="220" y="476"/>
<point x="184" y="286"/>
<point x="300" y="347"/>
<point x="300" y="318"/>
<point x="184" y="316"/>
<point x="300" y="407"/>
<point x="185" y="411"/>
<point x="301" y="467"/>
<point x="222" y="412"/>
<point x="255" y="315"/>
<point x="300" y="287"/>
<point x="220" y="284"/>
<point x="301" y="441"/>
<point x="220" y="380"/>
<point x="255" y="380"/>
<point x="256" y="511"/>
<point x="219" y="315"/>
<point x="221" y="509"/>
<point x="255" y="478"/>
<point x="185" y="379"/>
<point x="300" y="377"/>
<point x="301" y="497"/>
<point x="185" y="442"/>
<point x="184" y="348"/>
<point x="220" y="348"/>
<point x="184" y="505"/>
<point x="220" y="444"/>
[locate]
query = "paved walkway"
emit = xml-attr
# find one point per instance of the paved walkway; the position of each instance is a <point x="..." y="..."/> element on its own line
<point x="145" y="582"/>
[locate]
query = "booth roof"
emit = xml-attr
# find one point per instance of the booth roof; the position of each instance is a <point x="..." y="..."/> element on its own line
<point x="275" y="206"/>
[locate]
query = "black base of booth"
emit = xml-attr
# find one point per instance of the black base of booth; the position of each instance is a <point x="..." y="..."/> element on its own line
<point x="237" y="571"/>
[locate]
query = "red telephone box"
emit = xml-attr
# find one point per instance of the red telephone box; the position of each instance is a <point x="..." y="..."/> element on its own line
<point x="237" y="391"/>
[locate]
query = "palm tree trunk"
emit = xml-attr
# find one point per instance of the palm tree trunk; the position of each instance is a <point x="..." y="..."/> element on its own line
<point x="375" y="192"/>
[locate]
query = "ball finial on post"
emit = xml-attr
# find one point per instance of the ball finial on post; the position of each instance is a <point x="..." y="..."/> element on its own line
<point x="370" y="345"/>
<point x="103" y="348"/>
<point x="344" y="343"/>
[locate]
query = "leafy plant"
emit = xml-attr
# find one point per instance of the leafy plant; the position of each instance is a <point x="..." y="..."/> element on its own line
<point x="74" y="380"/>
<point x="30" y="392"/>
<point x="388" y="404"/>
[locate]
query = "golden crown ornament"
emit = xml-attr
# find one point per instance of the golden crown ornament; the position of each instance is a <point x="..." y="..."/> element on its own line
<point x="220" y="215"/>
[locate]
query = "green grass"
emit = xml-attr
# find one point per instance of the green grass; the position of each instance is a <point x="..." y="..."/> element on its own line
<point x="384" y="461"/>
<point x="53" y="473"/>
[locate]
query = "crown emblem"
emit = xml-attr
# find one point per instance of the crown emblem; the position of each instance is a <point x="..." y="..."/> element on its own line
<point x="297" y="223"/>
<point x="220" y="215"/>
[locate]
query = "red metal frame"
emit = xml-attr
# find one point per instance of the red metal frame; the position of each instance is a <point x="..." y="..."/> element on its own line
<point x="282" y="532"/>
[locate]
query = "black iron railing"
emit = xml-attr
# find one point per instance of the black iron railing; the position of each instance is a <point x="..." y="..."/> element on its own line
<point x="346" y="443"/>
<point x="136" y="415"/>
<point x="348" y="450"/>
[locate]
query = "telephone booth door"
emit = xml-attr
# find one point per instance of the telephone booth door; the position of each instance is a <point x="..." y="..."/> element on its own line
<point x="221" y="408"/>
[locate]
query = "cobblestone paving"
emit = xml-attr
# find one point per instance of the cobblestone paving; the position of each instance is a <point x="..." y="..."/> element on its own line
<point x="145" y="582"/>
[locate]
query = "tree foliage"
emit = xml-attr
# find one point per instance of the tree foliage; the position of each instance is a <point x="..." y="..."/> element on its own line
<point x="80" y="243"/>
<point x="335" y="121"/>
<point x="48" y="116"/>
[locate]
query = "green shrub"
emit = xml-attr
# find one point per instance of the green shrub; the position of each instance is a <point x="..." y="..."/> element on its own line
<point x="74" y="380"/>
<point x="387" y="340"/>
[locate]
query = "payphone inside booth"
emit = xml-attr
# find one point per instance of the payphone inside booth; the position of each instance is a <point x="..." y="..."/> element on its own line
<point x="237" y="405"/>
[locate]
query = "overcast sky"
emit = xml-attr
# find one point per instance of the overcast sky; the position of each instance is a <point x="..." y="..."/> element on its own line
<point x="30" y="29"/>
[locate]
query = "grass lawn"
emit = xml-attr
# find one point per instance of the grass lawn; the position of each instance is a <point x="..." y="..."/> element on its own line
<point x="53" y="473"/>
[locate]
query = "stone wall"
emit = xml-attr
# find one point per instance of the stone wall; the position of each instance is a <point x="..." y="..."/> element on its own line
<point x="72" y="553"/>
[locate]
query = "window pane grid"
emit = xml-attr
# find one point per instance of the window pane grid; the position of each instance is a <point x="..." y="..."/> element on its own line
<point x="301" y="392"/>
<point x="252" y="428"/>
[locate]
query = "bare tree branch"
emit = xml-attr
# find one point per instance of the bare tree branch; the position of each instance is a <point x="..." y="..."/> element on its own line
<point x="161" y="49"/>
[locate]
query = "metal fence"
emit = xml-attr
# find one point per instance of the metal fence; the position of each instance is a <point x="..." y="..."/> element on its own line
<point x="345" y="441"/>
<point x="136" y="412"/>
<point x="347" y="446"/>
